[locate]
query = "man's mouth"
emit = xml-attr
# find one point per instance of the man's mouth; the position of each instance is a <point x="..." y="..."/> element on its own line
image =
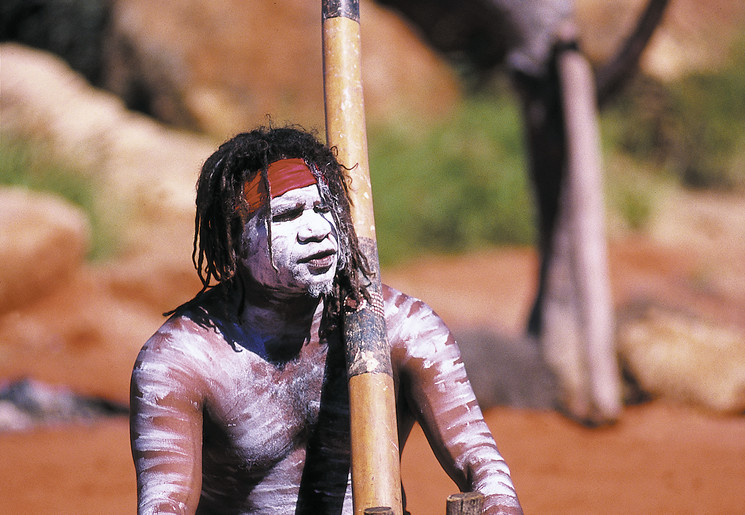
<point x="320" y="260"/>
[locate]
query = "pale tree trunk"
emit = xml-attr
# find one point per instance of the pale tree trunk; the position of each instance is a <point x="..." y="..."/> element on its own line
<point x="589" y="253"/>
<point x="577" y="333"/>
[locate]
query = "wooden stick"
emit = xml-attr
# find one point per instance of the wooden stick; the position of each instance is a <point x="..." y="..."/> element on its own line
<point x="466" y="503"/>
<point x="376" y="477"/>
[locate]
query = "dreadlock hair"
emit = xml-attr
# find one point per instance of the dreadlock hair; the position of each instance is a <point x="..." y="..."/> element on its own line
<point x="222" y="210"/>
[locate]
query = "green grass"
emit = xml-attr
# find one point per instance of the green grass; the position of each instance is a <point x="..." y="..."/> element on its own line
<point x="29" y="165"/>
<point x="453" y="187"/>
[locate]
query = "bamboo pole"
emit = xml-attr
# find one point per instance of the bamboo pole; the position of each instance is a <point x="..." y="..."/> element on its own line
<point x="376" y="478"/>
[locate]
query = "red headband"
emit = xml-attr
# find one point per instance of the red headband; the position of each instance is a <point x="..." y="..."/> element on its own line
<point x="284" y="175"/>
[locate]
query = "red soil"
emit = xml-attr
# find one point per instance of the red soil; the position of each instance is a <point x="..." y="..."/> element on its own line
<point x="660" y="459"/>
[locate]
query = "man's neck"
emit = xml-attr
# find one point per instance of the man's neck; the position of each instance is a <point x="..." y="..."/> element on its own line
<point x="284" y="321"/>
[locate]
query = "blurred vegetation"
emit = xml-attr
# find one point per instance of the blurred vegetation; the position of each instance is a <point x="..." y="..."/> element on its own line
<point x="690" y="130"/>
<point x="456" y="186"/>
<point x="463" y="184"/>
<point x="29" y="165"/>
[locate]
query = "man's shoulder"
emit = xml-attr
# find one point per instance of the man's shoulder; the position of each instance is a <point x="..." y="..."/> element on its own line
<point x="412" y="324"/>
<point x="178" y="336"/>
<point x="399" y="303"/>
<point x="392" y="295"/>
<point x="191" y="334"/>
<point x="195" y="332"/>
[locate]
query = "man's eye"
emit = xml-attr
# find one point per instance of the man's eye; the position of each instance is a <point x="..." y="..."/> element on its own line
<point x="322" y="208"/>
<point x="287" y="215"/>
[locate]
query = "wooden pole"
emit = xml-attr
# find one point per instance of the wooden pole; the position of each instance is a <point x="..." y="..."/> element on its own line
<point x="376" y="477"/>
<point x="465" y="503"/>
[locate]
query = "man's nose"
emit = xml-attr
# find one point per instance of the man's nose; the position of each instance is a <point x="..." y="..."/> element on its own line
<point x="315" y="227"/>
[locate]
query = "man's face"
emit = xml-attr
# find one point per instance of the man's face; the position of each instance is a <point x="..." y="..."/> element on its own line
<point x="304" y="244"/>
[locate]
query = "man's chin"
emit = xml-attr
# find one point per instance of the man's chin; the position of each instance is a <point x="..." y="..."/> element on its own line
<point x="319" y="289"/>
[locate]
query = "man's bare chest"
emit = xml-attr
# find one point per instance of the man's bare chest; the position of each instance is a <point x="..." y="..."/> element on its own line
<point x="259" y="412"/>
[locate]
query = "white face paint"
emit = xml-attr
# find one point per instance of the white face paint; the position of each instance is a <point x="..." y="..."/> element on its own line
<point x="304" y="244"/>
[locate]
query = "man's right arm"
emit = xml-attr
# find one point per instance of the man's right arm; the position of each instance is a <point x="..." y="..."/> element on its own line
<point x="166" y="428"/>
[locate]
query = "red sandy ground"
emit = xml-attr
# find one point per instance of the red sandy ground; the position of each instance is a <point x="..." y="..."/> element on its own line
<point x="660" y="458"/>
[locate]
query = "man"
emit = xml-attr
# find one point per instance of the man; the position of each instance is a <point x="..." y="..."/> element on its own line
<point x="239" y="401"/>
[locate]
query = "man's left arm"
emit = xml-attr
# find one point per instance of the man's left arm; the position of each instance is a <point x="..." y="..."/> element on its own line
<point x="435" y="384"/>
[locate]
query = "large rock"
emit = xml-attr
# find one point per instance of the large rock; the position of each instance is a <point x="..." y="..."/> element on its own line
<point x="224" y="65"/>
<point x="43" y="240"/>
<point x="507" y="370"/>
<point x="677" y="356"/>
<point x="27" y="404"/>
<point x="144" y="172"/>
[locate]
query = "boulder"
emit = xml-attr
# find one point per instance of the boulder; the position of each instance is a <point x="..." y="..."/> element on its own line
<point x="144" y="172"/>
<point x="43" y="240"/>
<point x="507" y="370"/>
<point x="222" y="66"/>
<point x="28" y="404"/>
<point x="673" y="355"/>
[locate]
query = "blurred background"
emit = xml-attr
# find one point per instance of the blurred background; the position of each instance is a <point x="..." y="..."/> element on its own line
<point x="108" y="109"/>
